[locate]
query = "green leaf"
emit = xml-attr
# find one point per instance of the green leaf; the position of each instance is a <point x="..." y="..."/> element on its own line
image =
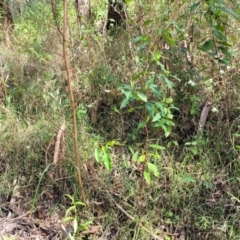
<point x="113" y="143"/>
<point x="97" y="154"/>
<point x="176" y="78"/>
<point x="147" y="22"/>
<point x="70" y="197"/>
<point x="168" y="221"/>
<point x="107" y="160"/>
<point x="224" y="43"/>
<point x="135" y="156"/>
<point x="169" y="100"/>
<point x="165" y="128"/>
<point x="194" y="6"/>
<point x="169" y="214"/>
<point x="168" y="122"/>
<point x="125" y="88"/>
<point x="224" y="61"/>
<point x="161" y="66"/>
<point x="167" y="131"/>
<point x="86" y="225"/>
<point x="193" y="143"/>
<point x="169" y="83"/>
<point x="142" y="124"/>
<point x="212" y="7"/>
<point x="79" y="203"/>
<point x="156" y="91"/>
<point x="147" y="177"/>
<point x="70" y="209"/>
<point x="142" y="46"/>
<point x="218" y="34"/>
<point x="142" y="158"/>
<point x="157" y="117"/>
<point x="156" y="146"/>
<point x="208" y="45"/>
<point x="175" y="143"/>
<point x="188" y="179"/>
<point x="115" y="109"/>
<point x="225" y="51"/>
<point x="140" y="39"/>
<point x="131" y="109"/>
<point x="138" y="75"/>
<point x="81" y="113"/>
<point x="152" y="167"/>
<point x="230" y="11"/>
<point x="137" y="39"/>
<point x="149" y="82"/>
<point x="156" y="56"/>
<point x="131" y="150"/>
<point x="193" y="110"/>
<point x="126" y="100"/>
<point x="67" y="219"/>
<point x="150" y="108"/>
<point x="194" y="150"/>
<point x="142" y="96"/>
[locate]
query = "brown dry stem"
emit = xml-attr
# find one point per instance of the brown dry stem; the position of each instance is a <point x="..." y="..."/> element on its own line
<point x="70" y="92"/>
<point x="58" y="141"/>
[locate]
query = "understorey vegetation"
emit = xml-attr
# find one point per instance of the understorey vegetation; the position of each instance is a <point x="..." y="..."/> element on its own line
<point x="120" y="120"/>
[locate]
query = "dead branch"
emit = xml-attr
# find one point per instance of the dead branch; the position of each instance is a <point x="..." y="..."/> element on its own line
<point x="204" y="115"/>
<point x="57" y="144"/>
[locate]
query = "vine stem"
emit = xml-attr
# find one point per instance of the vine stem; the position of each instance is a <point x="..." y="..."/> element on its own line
<point x="70" y="92"/>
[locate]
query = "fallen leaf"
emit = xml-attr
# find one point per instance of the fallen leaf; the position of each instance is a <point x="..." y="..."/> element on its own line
<point x="92" y="230"/>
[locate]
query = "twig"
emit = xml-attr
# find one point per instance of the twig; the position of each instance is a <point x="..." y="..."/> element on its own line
<point x="54" y="12"/>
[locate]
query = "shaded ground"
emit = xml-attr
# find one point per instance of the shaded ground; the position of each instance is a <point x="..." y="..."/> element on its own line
<point x="20" y="224"/>
<point x="43" y="224"/>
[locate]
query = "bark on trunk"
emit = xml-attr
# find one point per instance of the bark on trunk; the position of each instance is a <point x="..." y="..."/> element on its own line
<point x="83" y="9"/>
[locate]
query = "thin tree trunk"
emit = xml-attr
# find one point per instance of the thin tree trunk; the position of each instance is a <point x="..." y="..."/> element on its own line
<point x="69" y="80"/>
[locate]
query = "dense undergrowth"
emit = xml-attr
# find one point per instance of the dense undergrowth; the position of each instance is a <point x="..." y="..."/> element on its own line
<point x="139" y="90"/>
